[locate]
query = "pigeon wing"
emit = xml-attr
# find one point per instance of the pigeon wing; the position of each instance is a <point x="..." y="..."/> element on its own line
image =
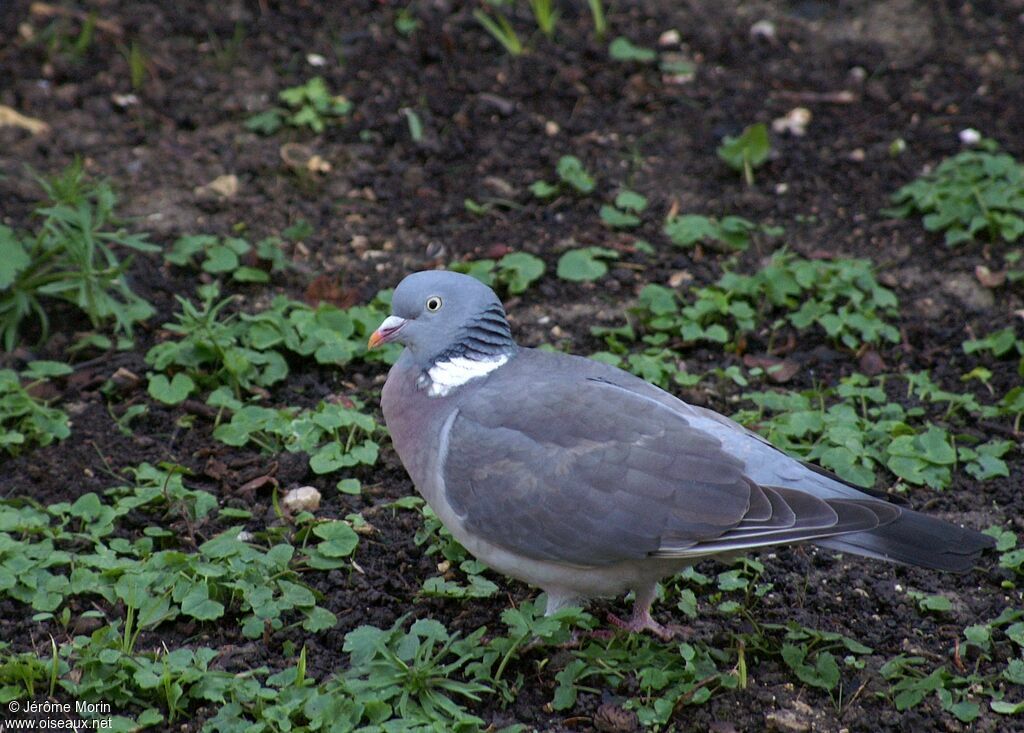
<point x="583" y="470"/>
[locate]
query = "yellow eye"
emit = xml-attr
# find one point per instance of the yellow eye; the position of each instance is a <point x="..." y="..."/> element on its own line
<point x="433" y="303"/>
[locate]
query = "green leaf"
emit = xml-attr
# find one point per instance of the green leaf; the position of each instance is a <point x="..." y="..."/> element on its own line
<point x="171" y="392"/>
<point x="585" y="264"/>
<point x="965" y="711"/>
<point x="631" y="201"/>
<point x="250" y="275"/>
<point x="339" y="539"/>
<point x="13" y="257"/>
<point x="265" y="123"/>
<point x="543" y="189"/>
<point x="935" y="603"/>
<point x="199" y="605"/>
<point x="689" y="229"/>
<point x="747" y="151"/>
<point x="349" y="486"/>
<point x="319" y="619"/>
<point x="519" y="270"/>
<point x="1004" y="707"/>
<point x="571" y="171"/>
<point x="47" y="369"/>
<point x="622" y="49"/>
<point x="220" y="258"/>
<point x="616" y="219"/>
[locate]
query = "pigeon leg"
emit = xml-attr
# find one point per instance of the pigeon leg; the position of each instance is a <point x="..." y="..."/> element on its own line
<point x="641" y="619"/>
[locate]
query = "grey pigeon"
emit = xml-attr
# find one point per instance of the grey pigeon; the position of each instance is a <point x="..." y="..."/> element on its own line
<point x="587" y="481"/>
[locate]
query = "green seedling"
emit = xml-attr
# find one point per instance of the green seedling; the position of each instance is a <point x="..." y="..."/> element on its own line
<point x="25" y="419"/>
<point x="515" y="271"/>
<point x="226" y="54"/>
<point x="597" y="14"/>
<point x="973" y="194"/>
<point x="24" y="675"/>
<point x="842" y="297"/>
<point x="572" y="175"/>
<point x="412" y="675"/>
<point x="585" y="264"/>
<point x="622" y="49"/>
<point x="138" y="64"/>
<point x="406" y="22"/>
<point x="72" y="257"/>
<point x="864" y="431"/>
<point x="439" y="541"/>
<point x="999" y="344"/>
<point x="624" y="214"/>
<point x="334" y="436"/>
<point x="310" y="105"/>
<point x="748" y="151"/>
<point x="246" y="352"/>
<point x="414" y="123"/>
<point x="930" y="603"/>
<point x="571" y="171"/>
<point x="222" y="256"/>
<point x="501" y="30"/>
<point x="732" y="232"/>
<point x="71" y="38"/>
<point x="546" y="15"/>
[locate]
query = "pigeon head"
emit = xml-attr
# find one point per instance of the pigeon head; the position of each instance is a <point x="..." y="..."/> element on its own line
<point x="439" y="315"/>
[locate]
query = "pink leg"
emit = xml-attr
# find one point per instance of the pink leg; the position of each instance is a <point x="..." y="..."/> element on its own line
<point x="641" y="619"/>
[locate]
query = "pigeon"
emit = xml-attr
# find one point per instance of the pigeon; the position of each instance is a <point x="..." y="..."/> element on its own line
<point x="586" y="481"/>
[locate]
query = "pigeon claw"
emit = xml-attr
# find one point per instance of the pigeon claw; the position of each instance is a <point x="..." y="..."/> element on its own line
<point x="641" y="620"/>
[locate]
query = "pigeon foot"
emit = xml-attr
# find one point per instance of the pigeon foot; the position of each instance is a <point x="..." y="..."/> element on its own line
<point x="641" y="620"/>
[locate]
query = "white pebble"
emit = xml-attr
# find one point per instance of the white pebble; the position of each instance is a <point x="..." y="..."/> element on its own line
<point x="795" y="122"/>
<point x="763" y="29"/>
<point x="302" y="499"/>
<point x="669" y="38"/>
<point x="970" y="136"/>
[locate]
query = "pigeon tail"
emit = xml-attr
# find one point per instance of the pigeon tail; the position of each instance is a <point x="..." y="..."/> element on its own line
<point x="916" y="539"/>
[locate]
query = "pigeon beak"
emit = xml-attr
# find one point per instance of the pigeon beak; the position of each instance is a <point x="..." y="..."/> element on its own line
<point x="386" y="331"/>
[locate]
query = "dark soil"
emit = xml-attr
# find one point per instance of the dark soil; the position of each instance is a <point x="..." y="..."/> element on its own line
<point x="871" y="73"/>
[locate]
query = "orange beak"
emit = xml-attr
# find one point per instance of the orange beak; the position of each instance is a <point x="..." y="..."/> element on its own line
<point x="385" y="332"/>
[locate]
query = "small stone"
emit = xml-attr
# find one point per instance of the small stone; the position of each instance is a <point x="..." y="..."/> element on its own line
<point x="679" y="277"/>
<point x="302" y="499"/>
<point x="124" y="100"/>
<point x="794" y="122"/>
<point x="225" y="186"/>
<point x="315" y="59"/>
<point x="551" y="128"/>
<point x="611" y="718"/>
<point x="968" y="291"/>
<point x="988" y="278"/>
<point x="124" y="378"/>
<point x="721" y="726"/>
<point x="871" y="363"/>
<point x="500" y="186"/>
<point x="970" y="136"/>
<point x="786" y="721"/>
<point x="669" y="38"/>
<point x="763" y="29"/>
<point x="857" y="155"/>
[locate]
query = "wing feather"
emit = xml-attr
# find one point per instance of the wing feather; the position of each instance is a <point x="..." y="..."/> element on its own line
<point x="587" y="472"/>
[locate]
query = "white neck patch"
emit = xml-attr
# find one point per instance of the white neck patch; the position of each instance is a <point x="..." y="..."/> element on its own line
<point x="445" y="376"/>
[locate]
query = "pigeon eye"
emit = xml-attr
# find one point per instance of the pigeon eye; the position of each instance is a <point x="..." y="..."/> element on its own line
<point x="433" y="303"/>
